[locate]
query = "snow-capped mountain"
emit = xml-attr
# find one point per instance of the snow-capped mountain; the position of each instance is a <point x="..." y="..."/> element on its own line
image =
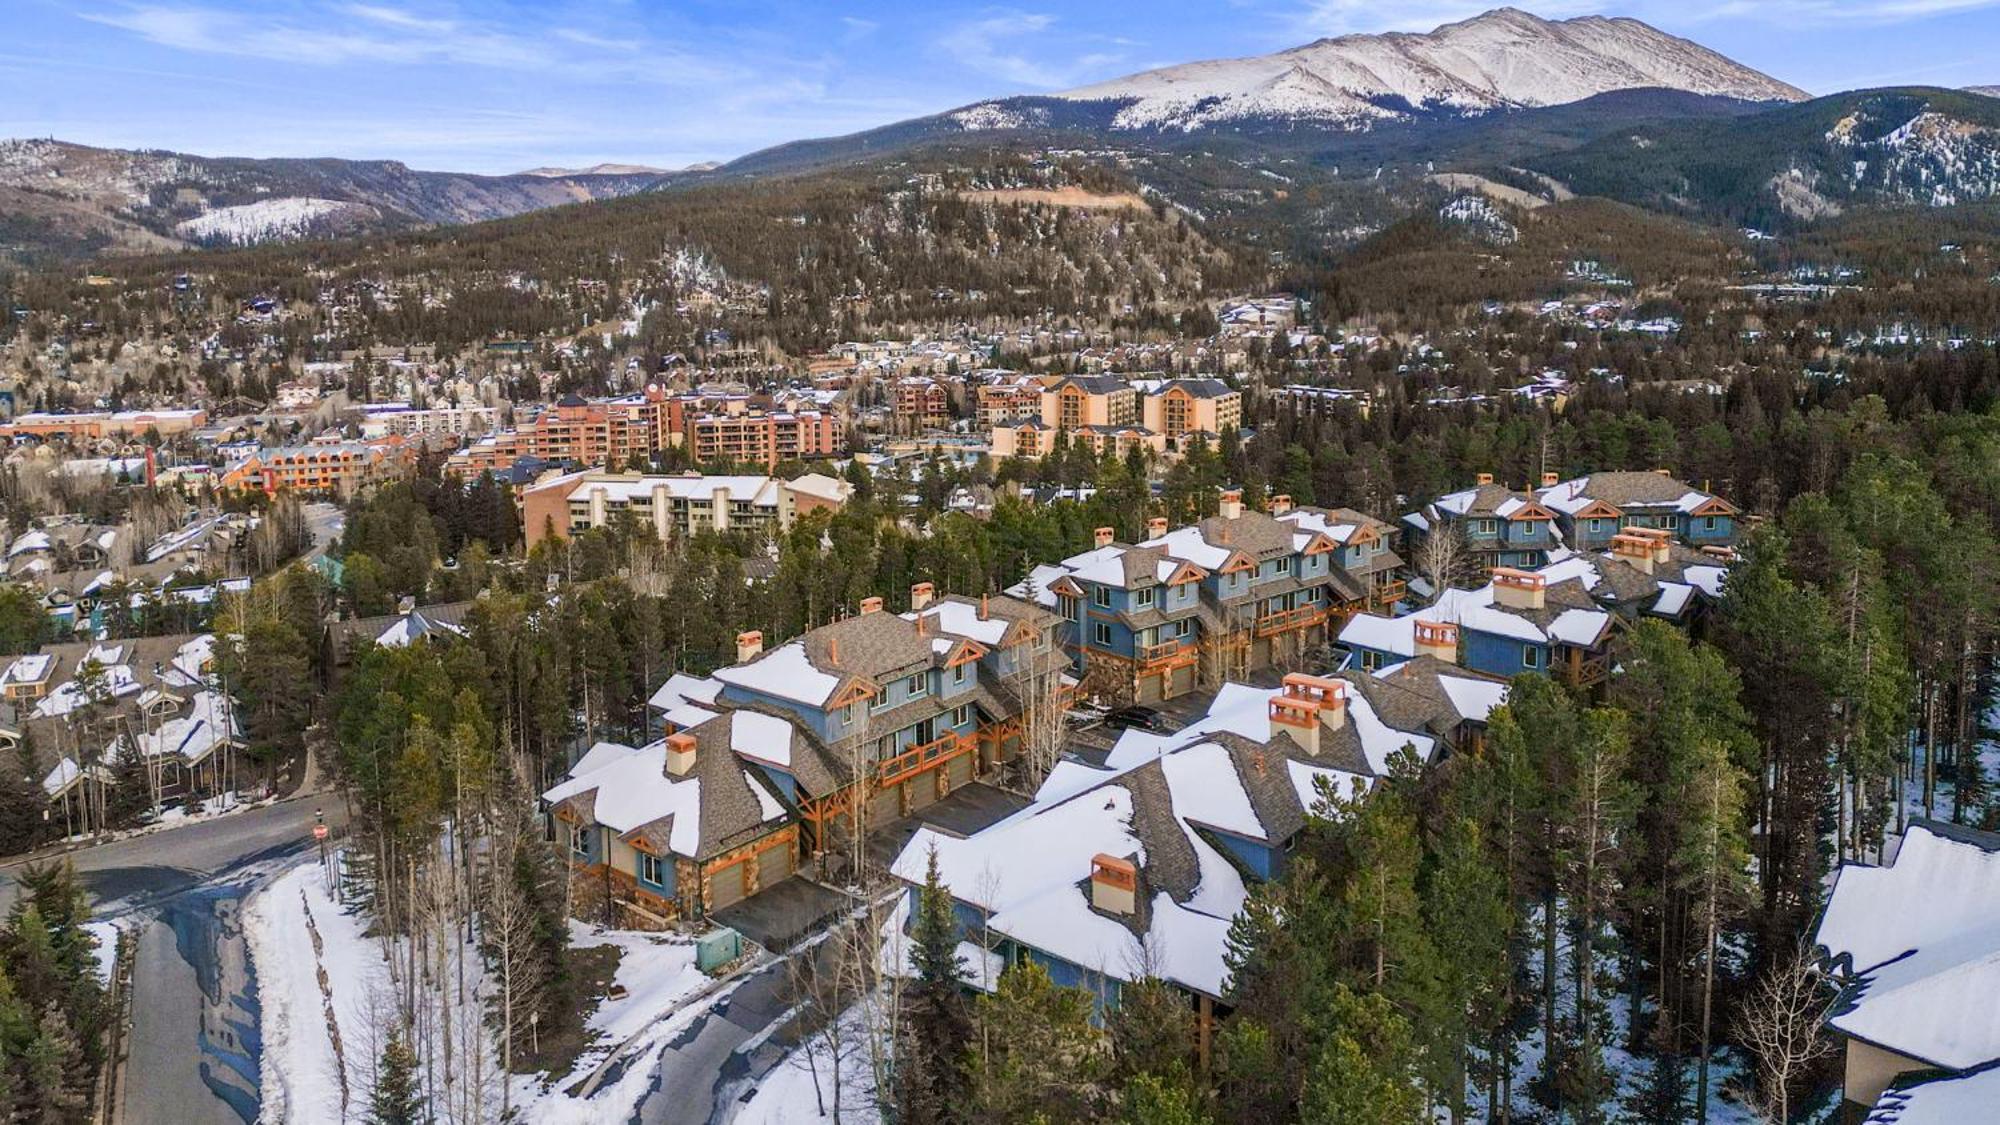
<point x="1505" y="59"/>
<point x="617" y="170"/>
<point x="1989" y="91"/>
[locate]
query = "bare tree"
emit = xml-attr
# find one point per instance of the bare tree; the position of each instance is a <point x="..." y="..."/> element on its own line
<point x="1780" y="1024"/>
<point x="1443" y="558"/>
<point x="1038" y="683"/>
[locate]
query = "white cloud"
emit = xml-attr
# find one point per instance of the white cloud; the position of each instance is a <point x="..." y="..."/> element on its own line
<point x="377" y="34"/>
<point x="1012" y="46"/>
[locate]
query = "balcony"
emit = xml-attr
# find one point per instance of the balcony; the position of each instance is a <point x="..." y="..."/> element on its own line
<point x="1163" y="656"/>
<point x="1388" y="593"/>
<point x="1290" y="620"/>
<point x="917" y="759"/>
<point x="1582" y="668"/>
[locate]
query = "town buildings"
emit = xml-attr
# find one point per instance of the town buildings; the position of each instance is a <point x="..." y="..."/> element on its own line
<point x="338" y="468"/>
<point x="1110" y="415"/>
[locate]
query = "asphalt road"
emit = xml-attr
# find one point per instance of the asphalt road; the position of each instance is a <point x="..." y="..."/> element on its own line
<point x="702" y="1072"/>
<point x="193" y="1048"/>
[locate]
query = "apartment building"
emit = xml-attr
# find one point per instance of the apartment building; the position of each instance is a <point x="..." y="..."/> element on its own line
<point x="1496" y="525"/>
<point x="674" y="506"/>
<point x="921" y="403"/>
<point x="1136" y="867"/>
<point x="844" y="730"/>
<point x="335" y="468"/>
<point x="1007" y="399"/>
<point x="1237" y="592"/>
<point x="1178" y="409"/>
<point x="766" y="438"/>
<point x="381" y="419"/>
<point x="1593" y="510"/>
<point x="1076" y="401"/>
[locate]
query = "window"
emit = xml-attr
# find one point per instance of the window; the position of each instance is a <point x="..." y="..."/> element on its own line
<point x="1596" y="526"/>
<point x="958" y="674"/>
<point x="579" y="843"/>
<point x="1709" y="523"/>
<point x="1485" y="527"/>
<point x="1101" y="595"/>
<point x="652" y="869"/>
<point x="1144" y="597"/>
<point x="1370" y="661"/>
<point x="961" y="715"/>
<point x="1070" y="606"/>
<point x="1102" y="635"/>
<point x="1185" y="628"/>
<point x="1285" y="565"/>
<point x="917" y="687"/>
<point x="1531" y="657"/>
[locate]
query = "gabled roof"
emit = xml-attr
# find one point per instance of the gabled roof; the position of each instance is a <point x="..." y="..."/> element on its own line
<point x="1166" y="803"/>
<point x="718" y="805"/>
<point x="1630" y="492"/>
<point x="1919" y="943"/>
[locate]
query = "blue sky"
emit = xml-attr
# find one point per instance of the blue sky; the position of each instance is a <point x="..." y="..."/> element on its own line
<point x="501" y="86"/>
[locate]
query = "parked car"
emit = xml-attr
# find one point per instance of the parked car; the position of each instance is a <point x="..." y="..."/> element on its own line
<point x="1136" y="718"/>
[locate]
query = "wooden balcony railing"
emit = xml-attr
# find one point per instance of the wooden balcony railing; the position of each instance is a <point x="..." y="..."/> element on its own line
<point x="1389" y="593"/>
<point x="1290" y="620"/>
<point x="1166" y="654"/>
<point x="1584" y="669"/>
<point x="917" y="759"/>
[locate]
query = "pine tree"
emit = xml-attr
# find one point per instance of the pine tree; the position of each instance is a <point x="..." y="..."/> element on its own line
<point x="1045" y="1060"/>
<point x="931" y="1080"/>
<point x="1364" y="1073"/>
<point x="1158" y="1101"/>
<point x="397" y="1098"/>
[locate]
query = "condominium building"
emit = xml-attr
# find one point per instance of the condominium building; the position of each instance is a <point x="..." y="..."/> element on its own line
<point x="673" y="505"/>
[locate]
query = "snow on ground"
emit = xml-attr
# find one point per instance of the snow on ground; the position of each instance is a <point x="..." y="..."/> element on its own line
<point x="106" y="935"/>
<point x="322" y="981"/>
<point x="245" y="223"/>
<point x="802" y="1087"/>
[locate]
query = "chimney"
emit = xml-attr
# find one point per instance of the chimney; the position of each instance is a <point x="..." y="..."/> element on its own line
<point x="1319" y="698"/>
<point x="749" y="646"/>
<point x="1114" y="884"/>
<point x="1550" y="480"/>
<point x="1280" y="504"/>
<point x="1438" y="639"/>
<point x="680" y="754"/>
<point x="1659" y="538"/>
<point x="1298" y="718"/>
<point x="1104" y="536"/>
<point x="1232" y="503"/>
<point x="871" y="605"/>
<point x="982" y="607"/>
<point x="1156" y="527"/>
<point x="1637" y="550"/>
<point x="1483" y="478"/>
<point x="1519" y="589"/>
<point x="922" y="594"/>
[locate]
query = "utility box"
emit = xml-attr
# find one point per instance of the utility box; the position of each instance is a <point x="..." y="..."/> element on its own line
<point x="716" y="948"/>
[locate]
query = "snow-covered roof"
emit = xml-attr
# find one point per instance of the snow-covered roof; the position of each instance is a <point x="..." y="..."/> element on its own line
<point x="1920" y="941"/>
<point x="1945" y="1101"/>
<point x="209" y="723"/>
<point x="1396" y="635"/>
<point x="766" y="738"/>
<point x="783" y="673"/>
<point x="632" y="788"/>
<point x="682" y="688"/>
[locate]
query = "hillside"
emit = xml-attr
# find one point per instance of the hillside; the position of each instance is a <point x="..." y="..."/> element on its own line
<point x="60" y="200"/>
<point x="1799" y="164"/>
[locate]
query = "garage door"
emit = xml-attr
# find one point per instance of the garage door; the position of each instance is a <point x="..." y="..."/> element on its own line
<point x="1149" y="689"/>
<point x="923" y="788"/>
<point x="960" y="769"/>
<point x="1183" y="680"/>
<point x="725" y="886"/>
<point x="775" y="864"/>
<point x="884" y="807"/>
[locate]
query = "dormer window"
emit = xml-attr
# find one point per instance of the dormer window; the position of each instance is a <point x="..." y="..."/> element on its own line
<point x="918" y="686"/>
<point x="1144" y="597"/>
<point x="1485" y="527"/>
<point x="1102" y="596"/>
